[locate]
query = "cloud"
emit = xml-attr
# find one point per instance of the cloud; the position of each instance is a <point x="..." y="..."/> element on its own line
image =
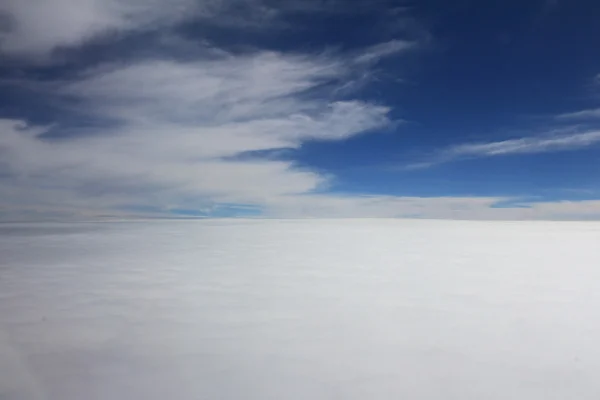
<point x="586" y="209"/>
<point x="336" y="206"/>
<point x="526" y="145"/>
<point x="465" y="208"/>
<point x="174" y="132"/>
<point x="177" y="130"/>
<point x="34" y="28"/>
<point x="379" y="51"/>
<point x="261" y="86"/>
<point x="593" y="113"/>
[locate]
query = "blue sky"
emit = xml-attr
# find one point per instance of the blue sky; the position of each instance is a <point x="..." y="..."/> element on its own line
<point x="433" y="109"/>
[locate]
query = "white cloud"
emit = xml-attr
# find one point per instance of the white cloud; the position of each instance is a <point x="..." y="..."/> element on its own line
<point x="375" y="53"/>
<point x="565" y="209"/>
<point x="228" y="88"/>
<point x="176" y="129"/>
<point x="467" y="208"/>
<point x="593" y="113"/>
<point x="332" y="206"/>
<point x="526" y="145"/>
<point x="316" y="310"/>
<point x="179" y="128"/>
<point x="34" y="28"/>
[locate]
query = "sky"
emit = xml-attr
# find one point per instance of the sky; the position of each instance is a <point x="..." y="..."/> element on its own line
<point x="316" y="108"/>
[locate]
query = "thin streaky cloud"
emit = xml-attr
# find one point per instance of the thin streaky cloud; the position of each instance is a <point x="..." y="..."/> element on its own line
<point x="526" y="145"/>
<point x="379" y="51"/>
<point x="178" y="127"/>
<point x="591" y="113"/>
<point x="35" y="28"/>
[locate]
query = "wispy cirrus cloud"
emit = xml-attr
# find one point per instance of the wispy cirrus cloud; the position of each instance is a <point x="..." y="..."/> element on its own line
<point x="379" y="51"/>
<point x="592" y="113"/>
<point x="176" y="130"/>
<point x="178" y="127"/>
<point x="36" y="28"/>
<point x="525" y="145"/>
